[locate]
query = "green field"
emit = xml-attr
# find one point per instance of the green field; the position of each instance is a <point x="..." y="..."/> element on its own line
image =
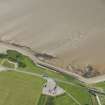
<point x="19" y="89"/>
<point x="23" y="89"/>
<point x="102" y="98"/>
<point x="100" y="85"/>
<point x="59" y="100"/>
<point x="7" y="64"/>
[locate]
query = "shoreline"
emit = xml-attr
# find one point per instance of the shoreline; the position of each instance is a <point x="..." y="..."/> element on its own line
<point x="30" y="53"/>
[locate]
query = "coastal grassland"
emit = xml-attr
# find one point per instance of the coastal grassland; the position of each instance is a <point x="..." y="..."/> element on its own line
<point x="42" y="100"/>
<point x="73" y="87"/>
<point x="25" y="63"/>
<point x="8" y="64"/>
<point x="19" y="89"/>
<point x="59" y="100"/>
<point x="64" y="100"/>
<point x="1" y="59"/>
<point x="100" y="85"/>
<point x="102" y="99"/>
<point x="80" y="93"/>
<point x="94" y="100"/>
<point x="46" y="100"/>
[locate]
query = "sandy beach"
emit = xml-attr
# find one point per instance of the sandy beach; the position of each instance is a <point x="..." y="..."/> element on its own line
<point x="71" y="30"/>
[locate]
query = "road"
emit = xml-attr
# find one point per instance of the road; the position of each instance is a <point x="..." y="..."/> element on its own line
<point x="98" y="100"/>
<point x="28" y="52"/>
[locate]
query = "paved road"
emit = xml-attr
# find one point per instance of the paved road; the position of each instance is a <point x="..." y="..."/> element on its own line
<point x="29" y="53"/>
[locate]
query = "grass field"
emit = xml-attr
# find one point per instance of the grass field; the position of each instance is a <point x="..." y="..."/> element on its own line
<point x="102" y="99"/>
<point x="100" y="85"/>
<point x="101" y="93"/>
<point x="19" y="89"/>
<point x="81" y="94"/>
<point x="8" y="64"/>
<point x="22" y="89"/>
<point x="62" y="100"/>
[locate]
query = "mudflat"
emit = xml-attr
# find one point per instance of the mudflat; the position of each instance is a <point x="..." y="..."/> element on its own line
<point x="71" y="30"/>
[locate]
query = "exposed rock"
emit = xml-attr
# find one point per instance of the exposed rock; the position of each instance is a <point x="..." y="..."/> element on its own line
<point x="89" y="72"/>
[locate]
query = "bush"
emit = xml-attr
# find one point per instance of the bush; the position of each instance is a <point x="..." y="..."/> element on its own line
<point x="16" y="57"/>
<point x="3" y="55"/>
